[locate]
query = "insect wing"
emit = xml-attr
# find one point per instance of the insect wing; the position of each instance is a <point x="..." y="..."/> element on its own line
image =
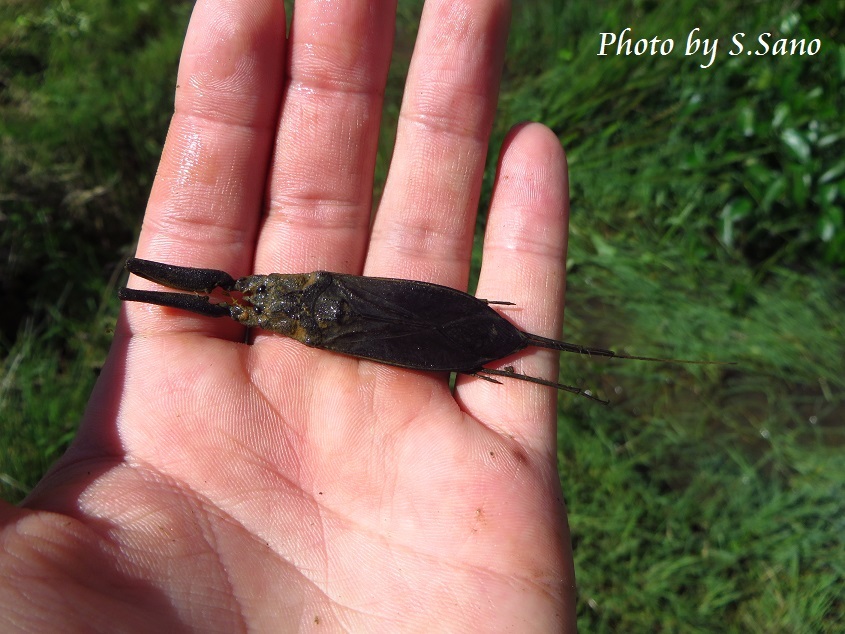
<point x="418" y="325"/>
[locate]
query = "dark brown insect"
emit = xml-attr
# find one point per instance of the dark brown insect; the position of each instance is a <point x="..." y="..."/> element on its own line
<point x="405" y="323"/>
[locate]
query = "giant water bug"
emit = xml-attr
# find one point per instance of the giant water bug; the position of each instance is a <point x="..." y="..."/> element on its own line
<point x="399" y="322"/>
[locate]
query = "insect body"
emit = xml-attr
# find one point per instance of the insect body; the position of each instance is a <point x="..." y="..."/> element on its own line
<point x="399" y="322"/>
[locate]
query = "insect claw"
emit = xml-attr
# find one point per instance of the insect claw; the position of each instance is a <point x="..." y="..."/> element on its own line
<point x="195" y="303"/>
<point x="183" y="278"/>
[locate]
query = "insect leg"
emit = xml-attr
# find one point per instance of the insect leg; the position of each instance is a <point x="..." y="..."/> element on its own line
<point x="533" y="379"/>
<point x="481" y="376"/>
<point x="183" y="278"/>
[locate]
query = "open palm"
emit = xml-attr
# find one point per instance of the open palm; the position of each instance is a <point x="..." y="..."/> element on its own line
<point x="223" y="486"/>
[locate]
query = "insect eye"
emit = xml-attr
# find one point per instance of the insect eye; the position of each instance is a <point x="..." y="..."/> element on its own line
<point x="261" y="289"/>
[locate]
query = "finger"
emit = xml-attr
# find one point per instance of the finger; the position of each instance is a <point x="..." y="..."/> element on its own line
<point x="320" y="192"/>
<point x="425" y="222"/>
<point x="205" y="203"/>
<point x="524" y="263"/>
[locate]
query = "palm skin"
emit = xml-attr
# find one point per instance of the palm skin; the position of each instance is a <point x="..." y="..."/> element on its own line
<point x="220" y="486"/>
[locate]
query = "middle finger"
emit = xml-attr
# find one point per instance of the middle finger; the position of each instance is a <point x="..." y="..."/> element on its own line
<point x="320" y="191"/>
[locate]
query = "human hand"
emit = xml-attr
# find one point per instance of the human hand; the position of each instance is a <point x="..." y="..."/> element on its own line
<point x="216" y="485"/>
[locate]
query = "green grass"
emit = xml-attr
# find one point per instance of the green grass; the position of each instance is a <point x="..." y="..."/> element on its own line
<point x="707" y="223"/>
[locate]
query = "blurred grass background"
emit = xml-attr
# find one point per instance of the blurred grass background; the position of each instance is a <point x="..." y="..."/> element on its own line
<point x="707" y="222"/>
